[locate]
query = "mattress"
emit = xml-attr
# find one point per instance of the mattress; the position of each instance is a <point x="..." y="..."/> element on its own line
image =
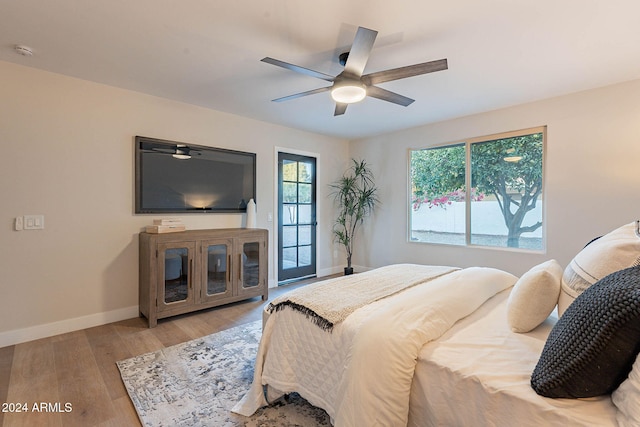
<point x="478" y="374"/>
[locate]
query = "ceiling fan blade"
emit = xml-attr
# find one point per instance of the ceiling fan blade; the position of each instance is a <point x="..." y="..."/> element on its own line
<point x="360" y="51"/>
<point x="404" y="72"/>
<point x="298" y="69"/>
<point x="340" y="109"/>
<point x="301" y="94"/>
<point x="386" y="95"/>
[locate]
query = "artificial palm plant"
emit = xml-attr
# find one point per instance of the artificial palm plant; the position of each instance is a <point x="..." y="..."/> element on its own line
<point x="355" y="197"/>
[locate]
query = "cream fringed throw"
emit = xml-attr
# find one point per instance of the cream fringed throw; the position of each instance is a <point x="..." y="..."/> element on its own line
<point x="331" y="301"/>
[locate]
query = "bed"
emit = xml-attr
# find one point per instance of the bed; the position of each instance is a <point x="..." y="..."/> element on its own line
<point x="437" y="346"/>
<point x="483" y="370"/>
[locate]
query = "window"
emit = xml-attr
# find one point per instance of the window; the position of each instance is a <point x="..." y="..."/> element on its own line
<point x="485" y="191"/>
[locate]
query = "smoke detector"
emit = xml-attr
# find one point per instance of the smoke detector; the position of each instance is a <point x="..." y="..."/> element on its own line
<point x="23" y="50"/>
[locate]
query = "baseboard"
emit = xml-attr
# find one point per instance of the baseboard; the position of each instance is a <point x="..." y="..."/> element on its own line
<point x="361" y="268"/>
<point x="18" y="336"/>
<point x="340" y="270"/>
<point x="330" y="271"/>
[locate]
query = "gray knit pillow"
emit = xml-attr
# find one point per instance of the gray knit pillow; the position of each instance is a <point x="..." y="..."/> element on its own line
<point x="592" y="347"/>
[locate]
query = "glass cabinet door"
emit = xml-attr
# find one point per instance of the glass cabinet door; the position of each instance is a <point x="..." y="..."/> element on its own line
<point x="217" y="271"/>
<point x="175" y="275"/>
<point x="250" y="264"/>
<point x="251" y="256"/>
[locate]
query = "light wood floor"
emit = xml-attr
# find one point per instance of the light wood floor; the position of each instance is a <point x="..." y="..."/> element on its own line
<point x="79" y="367"/>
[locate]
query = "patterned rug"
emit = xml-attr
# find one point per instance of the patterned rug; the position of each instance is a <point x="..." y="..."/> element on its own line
<point x="197" y="383"/>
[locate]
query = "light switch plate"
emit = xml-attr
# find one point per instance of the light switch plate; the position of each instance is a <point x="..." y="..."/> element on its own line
<point x="33" y="222"/>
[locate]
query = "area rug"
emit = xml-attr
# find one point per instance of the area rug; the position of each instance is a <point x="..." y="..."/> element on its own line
<point x="198" y="382"/>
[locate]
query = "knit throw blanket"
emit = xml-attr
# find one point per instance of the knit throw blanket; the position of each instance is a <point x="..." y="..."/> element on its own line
<point x="329" y="302"/>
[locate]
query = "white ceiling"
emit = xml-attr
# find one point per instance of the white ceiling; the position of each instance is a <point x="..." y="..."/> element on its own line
<point x="207" y="52"/>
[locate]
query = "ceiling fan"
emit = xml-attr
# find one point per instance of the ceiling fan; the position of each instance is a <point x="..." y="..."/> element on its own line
<point x="351" y="85"/>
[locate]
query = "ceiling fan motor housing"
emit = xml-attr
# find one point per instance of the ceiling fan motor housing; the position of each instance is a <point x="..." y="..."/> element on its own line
<point x="343" y="58"/>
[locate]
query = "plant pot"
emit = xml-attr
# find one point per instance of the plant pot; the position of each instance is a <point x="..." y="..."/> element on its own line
<point x="348" y="271"/>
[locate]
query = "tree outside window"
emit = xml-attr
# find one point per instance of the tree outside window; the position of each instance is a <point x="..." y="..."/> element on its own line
<point x="486" y="191"/>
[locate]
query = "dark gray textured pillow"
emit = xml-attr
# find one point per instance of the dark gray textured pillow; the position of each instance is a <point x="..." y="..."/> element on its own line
<point x="591" y="349"/>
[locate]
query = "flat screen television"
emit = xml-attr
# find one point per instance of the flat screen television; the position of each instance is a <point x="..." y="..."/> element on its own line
<point x="174" y="177"/>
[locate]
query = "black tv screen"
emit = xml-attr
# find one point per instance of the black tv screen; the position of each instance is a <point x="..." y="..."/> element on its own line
<point x="175" y="177"/>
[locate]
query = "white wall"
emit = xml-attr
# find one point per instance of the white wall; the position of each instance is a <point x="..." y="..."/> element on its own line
<point x="592" y="177"/>
<point x="66" y="152"/>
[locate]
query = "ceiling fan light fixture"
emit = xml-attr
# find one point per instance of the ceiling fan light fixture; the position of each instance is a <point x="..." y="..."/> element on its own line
<point x="182" y="152"/>
<point x="349" y="92"/>
<point x="512" y="159"/>
<point x="512" y="156"/>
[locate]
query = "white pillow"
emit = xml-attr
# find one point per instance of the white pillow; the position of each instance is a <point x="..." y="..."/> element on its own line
<point x="627" y="398"/>
<point x="614" y="251"/>
<point x="534" y="296"/>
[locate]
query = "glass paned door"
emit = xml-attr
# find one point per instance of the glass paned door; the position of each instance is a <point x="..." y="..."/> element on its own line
<point x="296" y="216"/>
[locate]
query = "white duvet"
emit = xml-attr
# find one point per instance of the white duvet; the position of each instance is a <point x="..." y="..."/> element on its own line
<point x="361" y="373"/>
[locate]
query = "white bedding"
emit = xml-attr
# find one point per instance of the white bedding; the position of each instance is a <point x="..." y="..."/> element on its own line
<point x="478" y="373"/>
<point x="361" y="373"/>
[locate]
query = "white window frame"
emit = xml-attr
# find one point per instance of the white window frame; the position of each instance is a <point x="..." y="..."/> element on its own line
<point x="468" y="142"/>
